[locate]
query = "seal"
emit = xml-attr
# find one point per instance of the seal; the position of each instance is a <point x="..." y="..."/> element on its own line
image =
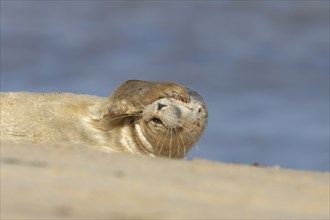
<point x="141" y="117"/>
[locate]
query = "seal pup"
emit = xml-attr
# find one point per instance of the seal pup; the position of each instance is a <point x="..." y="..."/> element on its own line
<point x="141" y="117"/>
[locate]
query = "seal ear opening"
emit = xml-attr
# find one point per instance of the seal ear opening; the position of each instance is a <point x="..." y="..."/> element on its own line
<point x="134" y="95"/>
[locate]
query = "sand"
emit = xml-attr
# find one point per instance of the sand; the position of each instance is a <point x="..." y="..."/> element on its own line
<point x="72" y="181"/>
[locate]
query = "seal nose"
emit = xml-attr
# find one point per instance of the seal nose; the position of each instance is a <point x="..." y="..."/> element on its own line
<point x="160" y="106"/>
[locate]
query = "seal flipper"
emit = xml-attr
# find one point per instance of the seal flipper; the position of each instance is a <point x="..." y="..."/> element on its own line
<point x="133" y="95"/>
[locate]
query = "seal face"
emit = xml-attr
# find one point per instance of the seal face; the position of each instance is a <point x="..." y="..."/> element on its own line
<point x="170" y="127"/>
<point x="149" y="118"/>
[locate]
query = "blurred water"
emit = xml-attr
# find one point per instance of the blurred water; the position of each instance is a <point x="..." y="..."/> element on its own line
<point x="262" y="66"/>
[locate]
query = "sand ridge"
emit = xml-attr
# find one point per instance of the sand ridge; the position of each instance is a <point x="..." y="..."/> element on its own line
<point x="73" y="181"/>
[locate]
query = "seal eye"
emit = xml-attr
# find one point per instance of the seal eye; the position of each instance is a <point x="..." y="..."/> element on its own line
<point x="156" y="120"/>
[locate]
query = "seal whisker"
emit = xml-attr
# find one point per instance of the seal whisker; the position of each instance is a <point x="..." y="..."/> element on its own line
<point x="168" y="132"/>
<point x="171" y="139"/>
<point x="182" y="142"/>
<point x="178" y="143"/>
<point x="195" y="142"/>
<point x="158" y="142"/>
<point x="132" y="122"/>
<point x="162" y="145"/>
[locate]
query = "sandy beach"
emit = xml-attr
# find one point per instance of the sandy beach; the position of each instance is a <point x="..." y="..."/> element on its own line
<point x="71" y="181"/>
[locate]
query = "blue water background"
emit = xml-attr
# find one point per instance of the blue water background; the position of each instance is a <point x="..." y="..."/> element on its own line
<point x="262" y="66"/>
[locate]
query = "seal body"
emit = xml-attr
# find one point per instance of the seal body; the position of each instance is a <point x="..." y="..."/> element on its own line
<point x="141" y="117"/>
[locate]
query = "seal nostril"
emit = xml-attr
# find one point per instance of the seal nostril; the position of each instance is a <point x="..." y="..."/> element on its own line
<point x="160" y="106"/>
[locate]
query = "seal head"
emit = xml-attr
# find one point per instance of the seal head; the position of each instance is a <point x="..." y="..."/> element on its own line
<point x="170" y="127"/>
<point x="165" y="118"/>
